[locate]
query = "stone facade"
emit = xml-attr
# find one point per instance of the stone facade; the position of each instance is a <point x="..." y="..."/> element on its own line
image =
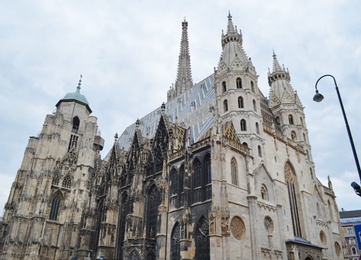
<point x="218" y="172"/>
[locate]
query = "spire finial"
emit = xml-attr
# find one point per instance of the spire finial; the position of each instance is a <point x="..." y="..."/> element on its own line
<point x="230" y="27"/>
<point x="79" y="84"/>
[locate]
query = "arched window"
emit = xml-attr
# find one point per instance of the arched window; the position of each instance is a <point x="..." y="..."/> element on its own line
<point x="207" y="177"/>
<point x="252" y="86"/>
<point x="292" y="187"/>
<point x="239" y="82"/>
<point x="259" y="151"/>
<point x="290" y="119"/>
<point x="293" y="136"/>
<point x="353" y="250"/>
<point x="264" y="192"/>
<point x="257" y="128"/>
<point x="174" y="187"/>
<point x="56" y="179"/>
<point x="304" y="137"/>
<point x="254" y="105"/>
<point x="240" y="102"/>
<point x="245" y="144"/>
<point x="175" y="245"/>
<point x="225" y="105"/>
<point x="301" y="120"/>
<point x="152" y="211"/>
<point x="181" y="186"/>
<point x="76" y="123"/>
<point x="202" y="239"/>
<point x="55" y="205"/>
<point x="224" y="87"/>
<point x="123" y="212"/>
<point x="311" y="173"/>
<point x="197" y="181"/>
<point x="67" y="182"/>
<point x="234" y="172"/>
<point x="243" y="125"/>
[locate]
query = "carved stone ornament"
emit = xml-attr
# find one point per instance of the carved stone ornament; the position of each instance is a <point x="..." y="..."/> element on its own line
<point x="238" y="228"/>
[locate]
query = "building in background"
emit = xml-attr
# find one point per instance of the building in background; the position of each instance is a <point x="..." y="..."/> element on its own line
<point x="218" y="172"/>
<point x="351" y="227"/>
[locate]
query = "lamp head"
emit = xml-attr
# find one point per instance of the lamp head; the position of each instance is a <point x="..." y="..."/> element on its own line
<point x="318" y="97"/>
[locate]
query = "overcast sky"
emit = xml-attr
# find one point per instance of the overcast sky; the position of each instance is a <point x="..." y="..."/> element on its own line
<point x="127" y="52"/>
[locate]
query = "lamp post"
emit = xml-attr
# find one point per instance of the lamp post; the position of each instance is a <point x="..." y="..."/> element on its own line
<point x="318" y="98"/>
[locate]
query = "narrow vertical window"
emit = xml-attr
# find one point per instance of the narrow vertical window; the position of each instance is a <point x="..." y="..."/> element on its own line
<point x="257" y="128"/>
<point x="76" y="123"/>
<point x="224" y="87"/>
<point x="292" y="187"/>
<point x="197" y="181"/>
<point x="243" y="125"/>
<point x="225" y="105"/>
<point x="252" y="86"/>
<point x="174" y="188"/>
<point x="181" y="186"/>
<point x="175" y="246"/>
<point x="55" y="204"/>
<point x="239" y="82"/>
<point x="293" y="136"/>
<point x="207" y="177"/>
<point x="202" y="239"/>
<point x="234" y="172"/>
<point x="259" y="151"/>
<point x="152" y="211"/>
<point x="290" y="119"/>
<point x="240" y="102"/>
<point x="254" y="105"/>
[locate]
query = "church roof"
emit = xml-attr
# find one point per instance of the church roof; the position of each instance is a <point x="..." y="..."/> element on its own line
<point x="191" y="109"/>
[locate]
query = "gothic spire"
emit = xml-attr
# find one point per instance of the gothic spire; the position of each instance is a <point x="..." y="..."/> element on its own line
<point x="184" y="75"/>
<point x="281" y="91"/>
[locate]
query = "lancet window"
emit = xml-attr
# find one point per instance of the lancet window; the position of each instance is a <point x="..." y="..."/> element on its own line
<point x="243" y="125"/>
<point x="234" y="172"/>
<point x="152" y="211"/>
<point x="292" y="187"/>
<point x="240" y="102"/>
<point x="76" y="123"/>
<point x="55" y="205"/>
<point x="239" y="82"/>
<point x="175" y="246"/>
<point x="202" y="239"/>
<point x="225" y="105"/>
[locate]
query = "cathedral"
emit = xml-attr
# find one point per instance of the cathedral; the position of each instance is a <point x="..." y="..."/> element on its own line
<point x="219" y="171"/>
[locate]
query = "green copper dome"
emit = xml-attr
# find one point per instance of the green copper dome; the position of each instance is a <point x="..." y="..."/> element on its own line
<point x="76" y="96"/>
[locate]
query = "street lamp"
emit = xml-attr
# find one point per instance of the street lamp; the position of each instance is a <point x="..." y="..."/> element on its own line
<point x="318" y="98"/>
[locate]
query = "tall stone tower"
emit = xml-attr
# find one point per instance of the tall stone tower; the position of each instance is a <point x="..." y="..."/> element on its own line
<point x="238" y="96"/>
<point x="45" y="205"/>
